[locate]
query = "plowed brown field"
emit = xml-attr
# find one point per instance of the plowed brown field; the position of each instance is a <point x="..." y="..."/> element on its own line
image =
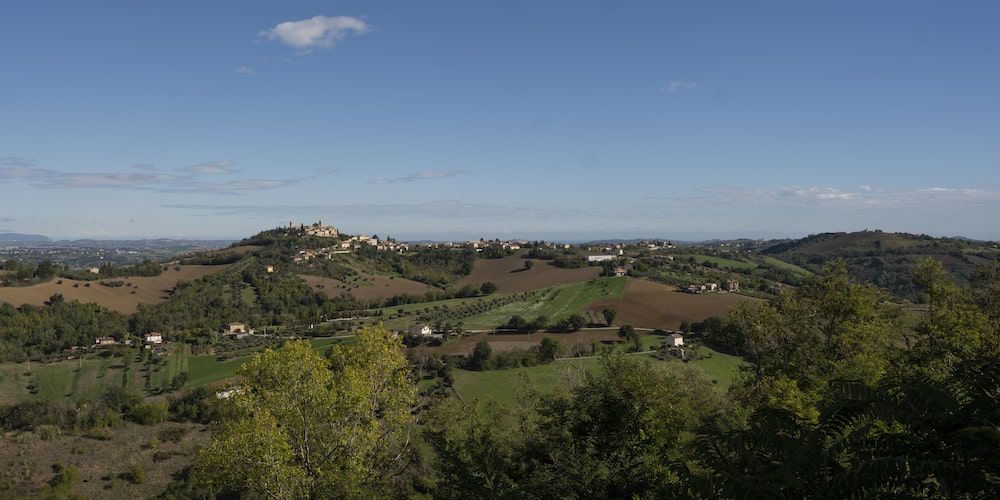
<point x="379" y="287"/>
<point x="510" y="276"/>
<point x="148" y="290"/>
<point x="654" y="305"/>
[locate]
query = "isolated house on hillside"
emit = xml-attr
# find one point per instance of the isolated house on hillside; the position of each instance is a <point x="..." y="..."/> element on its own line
<point x="153" y="338"/>
<point x="675" y="340"/>
<point x="105" y="341"/>
<point x="238" y="330"/>
<point x="423" y="330"/>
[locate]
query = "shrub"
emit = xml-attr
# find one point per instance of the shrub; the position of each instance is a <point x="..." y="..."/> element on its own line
<point x="148" y="413"/>
<point x="136" y="474"/>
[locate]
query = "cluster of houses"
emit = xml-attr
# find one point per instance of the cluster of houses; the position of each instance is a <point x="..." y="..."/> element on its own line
<point x="153" y="339"/>
<point x="318" y="229"/>
<point x="732" y="286"/>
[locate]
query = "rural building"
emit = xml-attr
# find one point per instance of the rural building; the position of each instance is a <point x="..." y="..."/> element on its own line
<point x="600" y="258"/>
<point x="153" y="338"/>
<point x="95" y="270"/>
<point x="238" y="330"/>
<point x="270" y="269"/>
<point x="732" y="286"/>
<point x="675" y="340"/>
<point x="105" y="341"/>
<point x="421" y="330"/>
<point x="695" y="288"/>
<point x="711" y="287"/>
<point x="621" y="271"/>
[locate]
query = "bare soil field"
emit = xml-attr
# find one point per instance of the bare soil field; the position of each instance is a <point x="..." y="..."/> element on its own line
<point x="653" y="305"/>
<point x="510" y="276"/>
<point x="512" y="341"/>
<point x="378" y="287"/>
<point x="148" y="290"/>
<point x="26" y="461"/>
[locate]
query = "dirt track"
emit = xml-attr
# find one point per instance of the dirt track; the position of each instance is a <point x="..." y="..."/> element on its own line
<point x="510" y="276"/>
<point x="148" y="290"/>
<point x="654" y="305"/>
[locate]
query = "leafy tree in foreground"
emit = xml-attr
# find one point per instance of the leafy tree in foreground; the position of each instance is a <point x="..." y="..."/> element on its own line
<point x="613" y="435"/>
<point x="305" y="426"/>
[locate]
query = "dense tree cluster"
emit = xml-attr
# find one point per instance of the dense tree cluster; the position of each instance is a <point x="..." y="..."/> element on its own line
<point x="39" y="330"/>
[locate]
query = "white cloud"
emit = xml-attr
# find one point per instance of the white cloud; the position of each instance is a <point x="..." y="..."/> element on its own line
<point x="149" y="177"/>
<point x="316" y="32"/>
<point x="213" y="167"/>
<point x="244" y="70"/>
<point x="675" y="85"/>
<point x="864" y="197"/>
<point x="421" y="176"/>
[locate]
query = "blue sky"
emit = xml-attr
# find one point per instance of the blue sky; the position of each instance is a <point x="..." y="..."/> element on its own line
<point x="558" y="120"/>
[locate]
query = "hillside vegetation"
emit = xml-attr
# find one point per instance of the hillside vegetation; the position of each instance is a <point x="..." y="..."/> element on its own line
<point x="887" y="259"/>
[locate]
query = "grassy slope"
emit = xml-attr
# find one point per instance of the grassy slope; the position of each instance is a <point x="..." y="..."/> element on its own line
<point x="555" y="302"/>
<point x="502" y="385"/>
<point x="207" y="369"/>
<point x="721" y="261"/>
<point x="74" y="380"/>
<point x="780" y="264"/>
<point x="69" y="380"/>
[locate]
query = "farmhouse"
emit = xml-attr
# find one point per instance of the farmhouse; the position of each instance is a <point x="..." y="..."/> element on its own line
<point x="621" y="271"/>
<point x="675" y="340"/>
<point x="423" y="330"/>
<point x="105" y="341"/>
<point x="238" y="330"/>
<point x="732" y="286"/>
<point x="95" y="270"/>
<point x="153" y="338"/>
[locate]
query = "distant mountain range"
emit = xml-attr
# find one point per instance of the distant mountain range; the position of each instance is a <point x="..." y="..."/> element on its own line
<point x="24" y="238"/>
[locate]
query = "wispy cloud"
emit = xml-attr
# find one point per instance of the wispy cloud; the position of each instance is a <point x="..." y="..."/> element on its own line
<point x="7" y="218"/>
<point x="244" y="71"/>
<point x="315" y="32"/>
<point x="863" y="197"/>
<point x="16" y="167"/>
<point x="423" y="175"/>
<point x="445" y="209"/>
<point x="213" y="167"/>
<point x="675" y="85"/>
<point x="145" y="176"/>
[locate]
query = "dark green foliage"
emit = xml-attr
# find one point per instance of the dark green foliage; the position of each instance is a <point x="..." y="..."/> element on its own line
<point x="611" y="437"/>
<point x="481" y="356"/>
<point x="571" y="323"/>
<point x="33" y="330"/>
<point x="609" y="315"/>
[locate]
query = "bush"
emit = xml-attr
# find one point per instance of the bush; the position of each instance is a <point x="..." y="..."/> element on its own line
<point x="148" y="413"/>
<point x="172" y="434"/>
<point x="136" y="474"/>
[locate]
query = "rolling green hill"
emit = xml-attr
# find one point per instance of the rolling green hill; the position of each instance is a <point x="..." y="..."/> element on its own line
<point x="886" y="259"/>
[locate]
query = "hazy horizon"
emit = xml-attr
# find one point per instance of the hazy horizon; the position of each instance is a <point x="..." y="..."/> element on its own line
<point x="560" y="118"/>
